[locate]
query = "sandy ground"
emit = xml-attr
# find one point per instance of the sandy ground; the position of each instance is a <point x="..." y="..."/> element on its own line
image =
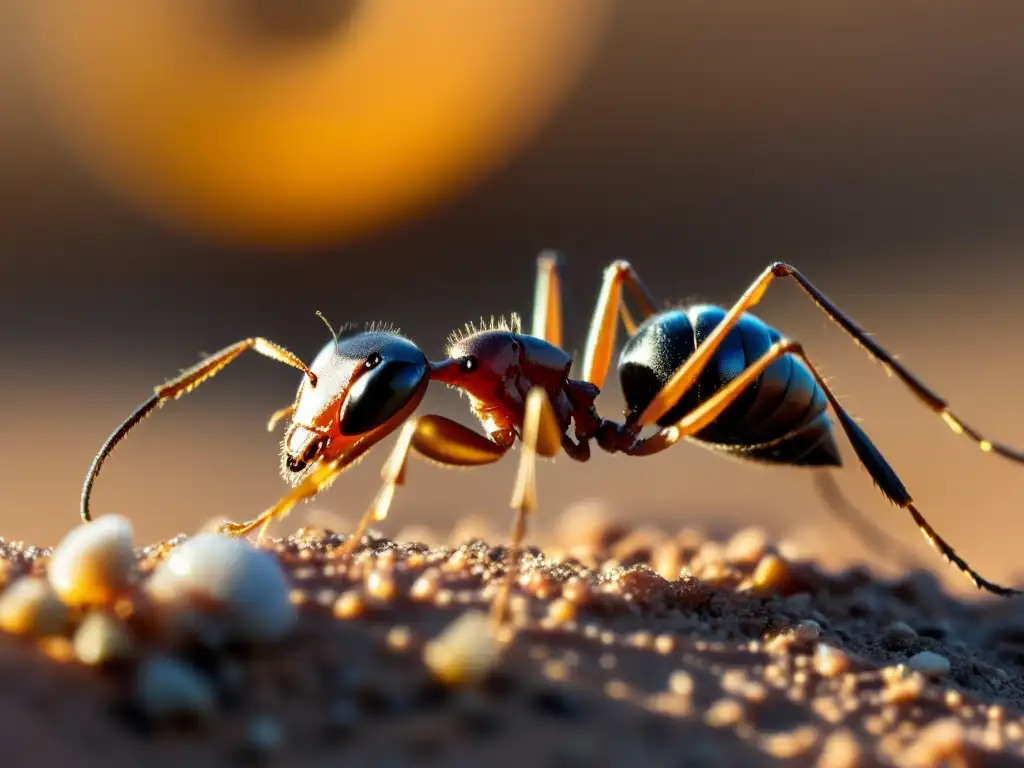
<point x="632" y="647"/>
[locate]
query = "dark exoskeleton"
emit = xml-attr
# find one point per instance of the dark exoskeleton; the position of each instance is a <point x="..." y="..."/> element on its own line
<point x="719" y="377"/>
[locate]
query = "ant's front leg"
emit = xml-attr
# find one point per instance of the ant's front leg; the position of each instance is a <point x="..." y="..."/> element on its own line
<point x="435" y="438"/>
<point x="438" y="439"/>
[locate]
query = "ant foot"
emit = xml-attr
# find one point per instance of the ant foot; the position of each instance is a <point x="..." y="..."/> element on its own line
<point x="240" y="529"/>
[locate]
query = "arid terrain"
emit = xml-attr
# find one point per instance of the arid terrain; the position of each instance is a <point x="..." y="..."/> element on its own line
<point x="631" y="647"/>
<point x="877" y="148"/>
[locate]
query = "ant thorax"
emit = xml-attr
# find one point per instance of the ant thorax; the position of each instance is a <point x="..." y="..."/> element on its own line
<point x="496" y="367"/>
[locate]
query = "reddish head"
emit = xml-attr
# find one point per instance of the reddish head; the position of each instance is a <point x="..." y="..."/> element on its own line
<point x="368" y="382"/>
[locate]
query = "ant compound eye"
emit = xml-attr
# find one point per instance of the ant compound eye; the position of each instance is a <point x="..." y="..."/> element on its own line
<point x="469" y="364"/>
<point x="373" y="361"/>
<point x="380" y="393"/>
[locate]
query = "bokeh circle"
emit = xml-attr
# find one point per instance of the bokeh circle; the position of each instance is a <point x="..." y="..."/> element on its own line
<point x="237" y="119"/>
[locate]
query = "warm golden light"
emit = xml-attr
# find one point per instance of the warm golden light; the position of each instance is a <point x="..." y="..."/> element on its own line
<point x="326" y="122"/>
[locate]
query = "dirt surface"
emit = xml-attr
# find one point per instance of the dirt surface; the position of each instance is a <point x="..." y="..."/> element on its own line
<point x="633" y="647"/>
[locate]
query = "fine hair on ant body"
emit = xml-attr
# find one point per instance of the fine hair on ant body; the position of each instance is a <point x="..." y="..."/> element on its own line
<point x="721" y="378"/>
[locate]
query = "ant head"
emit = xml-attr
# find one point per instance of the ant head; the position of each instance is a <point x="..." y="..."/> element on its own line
<point x="479" y="361"/>
<point x="368" y="383"/>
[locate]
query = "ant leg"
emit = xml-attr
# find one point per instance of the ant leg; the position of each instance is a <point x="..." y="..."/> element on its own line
<point x="870" y="457"/>
<point x="709" y="410"/>
<point x="435" y="438"/>
<point x="542" y="436"/>
<point x="547" y="299"/>
<point x="875" y="537"/>
<point x="597" y="357"/>
<point x="185" y="382"/>
<point x="684" y="377"/>
<point x="915" y="385"/>
<point x="276" y="416"/>
<point x="312" y="484"/>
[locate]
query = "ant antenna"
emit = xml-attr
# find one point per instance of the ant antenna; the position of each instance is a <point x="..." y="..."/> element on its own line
<point x="329" y="326"/>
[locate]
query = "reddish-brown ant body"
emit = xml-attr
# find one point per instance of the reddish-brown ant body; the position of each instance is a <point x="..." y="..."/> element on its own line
<point x="719" y="377"/>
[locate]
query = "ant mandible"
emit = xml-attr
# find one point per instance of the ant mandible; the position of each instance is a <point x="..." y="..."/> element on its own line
<point x="720" y="378"/>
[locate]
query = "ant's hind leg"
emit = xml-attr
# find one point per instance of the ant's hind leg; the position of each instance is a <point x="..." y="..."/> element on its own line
<point x="687" y="373"/>
<point x="541" y="436"/>
<point x="597" y="357"/>
<point x="870" y="457"/>
<point x="889" y="483"/>
<point x="915" y="385"/>
<point x="877" y="539"/>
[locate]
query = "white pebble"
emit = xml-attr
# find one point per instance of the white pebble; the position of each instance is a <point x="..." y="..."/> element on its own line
<point x="29" y="606"/>
<point x="899" y="633"/>
<point x="216" y="574"/>
<point x="168" y="689"/>
<point x="93" y="563"/>
<point x="466" y="651"/>
<point x="807" y="630"/>
<point x="101" y="638"/>
<point x="930" y="664"/>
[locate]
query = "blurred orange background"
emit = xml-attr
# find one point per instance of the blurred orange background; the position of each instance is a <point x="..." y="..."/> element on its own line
<point x="875" y="147"/>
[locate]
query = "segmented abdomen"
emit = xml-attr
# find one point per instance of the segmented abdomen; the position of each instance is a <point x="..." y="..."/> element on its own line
<point x="781" y="418"/>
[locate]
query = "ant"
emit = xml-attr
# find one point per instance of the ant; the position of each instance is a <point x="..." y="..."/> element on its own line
<point x="721" y="378"/>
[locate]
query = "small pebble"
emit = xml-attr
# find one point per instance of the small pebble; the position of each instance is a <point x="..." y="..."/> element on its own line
<point x="577" y="592"/>
<point x="168" y="689"/>
<point x="929" y="663"/>
<point x="556" y="669"/>
<point x="29" y="606"/>
<point x="807" y="631"/>
<point x="899" y="634"/>
<point x="790" y="744"/>
<point x="58" y="648"/>
<point x="465" y="652"/>
<point x="399" y="638"/>
<point x="724" y="713"/>
<point x="92" y="565"/>
<point x="939" y="744"/>
<point x="829" y="661"/>
<point x="664" y="644"/>
<point x="350" y="605"/>
<point x="102" y="638"/>
<point x="773" y="575"/>
<point x="562" y="611"/>
<point x="589" y="523"/>
<point x="245" y="588"/>
<point x="381" y="586"/>
<point x="746" y="547"/>
<point x="841" y="750"/>
<point x="426" y="586"/>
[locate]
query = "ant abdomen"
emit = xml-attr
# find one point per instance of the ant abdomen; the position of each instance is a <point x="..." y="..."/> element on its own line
<point x="781" y="418"/>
